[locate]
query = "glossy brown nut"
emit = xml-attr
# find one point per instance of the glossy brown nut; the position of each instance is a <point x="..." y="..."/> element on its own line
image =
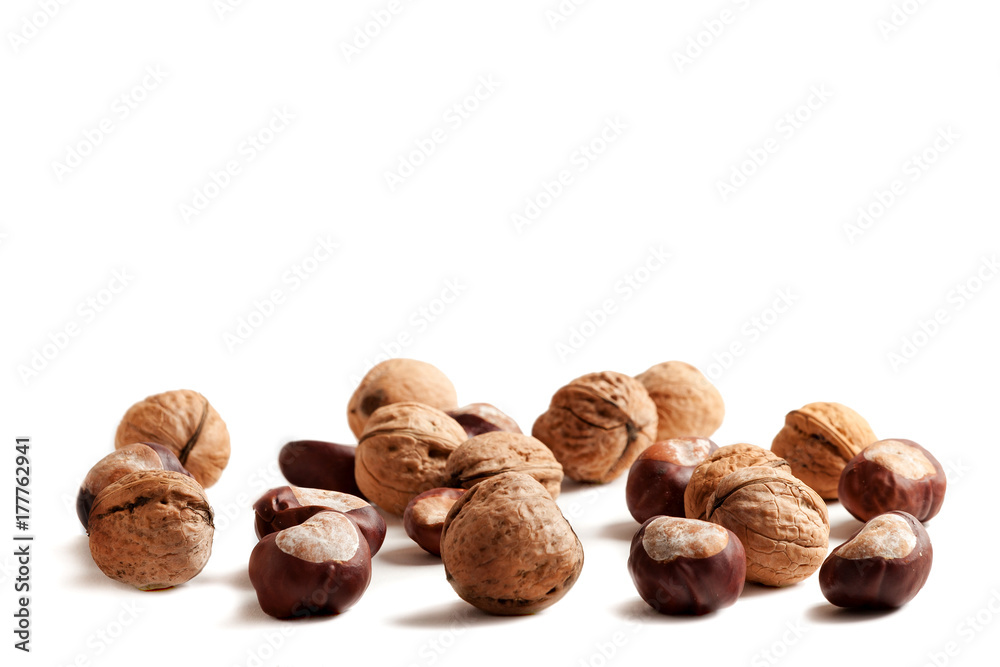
<point x="658" y="478"/>
<point x="399" y="381"/>
<point x="479" y="418"/>
<point x="725" y="460"/>
<point x="424" y="517"/>
<point x="117" y="464"/>
<point x="320" y="567"/>
<point x="315" y="464"/>
<point x="893" y="475"/>
<point x="882" y="566"/>
<point x="488" y="454"/>
<point x="686" y="566"/>
<point x="288" y="506"/>
<point x="687" y="404"/>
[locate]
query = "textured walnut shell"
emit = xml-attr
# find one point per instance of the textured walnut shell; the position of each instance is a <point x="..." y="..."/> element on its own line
<point x="818" y="440"/>
<point x="723" y="461"/>
<point x="507" y="549"/>
<point x="782" y="523"/>
<point x="399" y="381"/>
<point x="404" y="451"/>
<point x="687" y="404"/>
<point x="478" y="418"/>
<point x="315" y="464"/>
<point x="893" y="475"/>
<point x="186" y="423"/>
<point x="597" y="425"/>
<point x="151" y="529"/>
<point x="492" y="453"/>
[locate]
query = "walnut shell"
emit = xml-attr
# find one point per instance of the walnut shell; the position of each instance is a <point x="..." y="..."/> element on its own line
<point x="818" y="440"/>
<point x="399" y="381"/>
<point x="687" y="404"/>
<point x="186" y="423"/>
<point x="597" y="425"/>
<point x="151" y="529"/>
<point x="492" y="453"/>
<point x="507" y="549"/>
<point x="782" y="523"/>
<point x="721" y="462"/>
<point x="404" y="451"/>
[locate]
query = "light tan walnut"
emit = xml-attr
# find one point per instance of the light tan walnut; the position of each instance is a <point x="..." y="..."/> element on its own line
<point x="399" y="381"/>
<point x="721" y="462"/>
<point x="492" y="453"/>
<point x="687" y="404"/>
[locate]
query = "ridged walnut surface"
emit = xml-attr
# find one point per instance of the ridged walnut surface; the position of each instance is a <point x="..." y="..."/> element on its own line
<point x="399" y="381"/>
<point x="721" y="462"/>
<point x="489" y="454"/>
<point x="687" y="404"/>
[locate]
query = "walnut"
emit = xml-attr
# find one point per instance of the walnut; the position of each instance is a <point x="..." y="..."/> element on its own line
<point x="492" y="453"/>
<point x="782" y="523"/>
<point x="186" y="423"/>
<point x="687" y="404"/>
<point x="403" y="451"/>
<point x="818" y="440"/>
<point x="597" y="425"/>
<point x="506" y="547"/>
<point x="398" y="381"/>
<point x="720" y="463"/>
<point x="151" y="529"/>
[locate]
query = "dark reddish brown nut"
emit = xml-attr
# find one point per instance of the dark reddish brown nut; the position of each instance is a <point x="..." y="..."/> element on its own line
<point x="723" y="461"/>
<point x="687" y="404"/>
<point x="399" y="381"/>
<point x="658" y="478"/>
<point x="893" y="475"/>
<point x="424" y="517"/>
<point x="318" y="568"/>
<point x="686" y="566"/>
<point x="315" y="464"/>
<point x="882" y="566"/>
<point x="597" y="425"/>
<point x="117" y="464"/>
<point x="184" y="422"/>
<point x="489" y="454"/>
<point x="288" y="506"/>
<point x="478" y="418"/>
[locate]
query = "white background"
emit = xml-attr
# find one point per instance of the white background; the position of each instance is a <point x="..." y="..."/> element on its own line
<point x="684" y="128"/>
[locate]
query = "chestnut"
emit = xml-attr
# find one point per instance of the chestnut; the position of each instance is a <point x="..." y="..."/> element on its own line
<point x="686" y="566"/>
<point x="319" y="567"/>
<point x="424" y="517"/>
<point x="288" y="506"/>
<point x="658" y="478"/>
<point x="892" y="475"/>
<point x="882" y="566"/>
<point x="316" y="464"/>
<point x="479" y="418"/>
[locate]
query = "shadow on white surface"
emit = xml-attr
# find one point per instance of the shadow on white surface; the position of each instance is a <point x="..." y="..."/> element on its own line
<point x="828" y="613"/>
<point x="636" y="609"/>
<point x="622" y="530"/>
<point x="450" y="614"/>
<point x="409" y="555"/>
<point x="844" y="528"/>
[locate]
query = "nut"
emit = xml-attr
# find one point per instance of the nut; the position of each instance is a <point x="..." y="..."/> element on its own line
<point x="818" y="440"/>
<point x="882" y="566"/>
<point x="184" y="422"/>
<point x="477" y="418"/>
<point x="725" y="460"/>
<point x="399" y="381"/>
<point x="151" y="529"/>
<point x="424" y="517"/>
<point x="893" y="475"/>
<point x="658" y="478"/>
<point x="782" y="523"/>
<point x="685" y="566"/>
<point x="506" y="547"/>
<point x="687" y="404"/>
<point x="489" y="454"/>
<point x="403" y="452"/>
<point x="315" y="464"/>
<point x="117" y="464"/>
<point x="319" y="567"/>
<point x="597" y="425"/>
<point x="288" y="506"/>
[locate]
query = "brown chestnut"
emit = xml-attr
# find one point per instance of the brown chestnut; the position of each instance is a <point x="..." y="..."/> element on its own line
<point x="320" y="567"/>
<point x="315" y="464"/>
<point x="424" y="517"/>
<point x="658" y="478"/>
<point x="882" y="566"/>
<point x="479" y="418"/>
<point x="686" y="566"/>
<point x="892" y="475"/>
